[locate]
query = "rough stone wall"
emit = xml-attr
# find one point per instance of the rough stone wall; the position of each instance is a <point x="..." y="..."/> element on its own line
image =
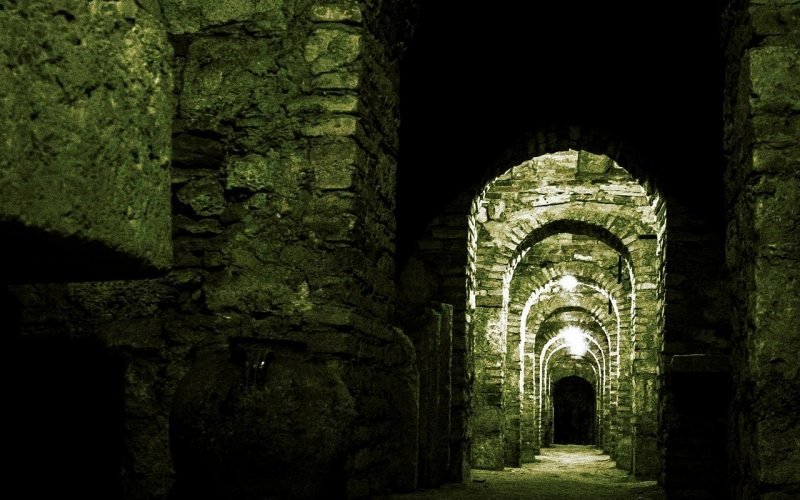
<point x="282" y="289"/>
<point x="762" y="49"/>
<point x="432" y="334"/>
<point x="86" y="113"/>
<point x="443" y="268"/>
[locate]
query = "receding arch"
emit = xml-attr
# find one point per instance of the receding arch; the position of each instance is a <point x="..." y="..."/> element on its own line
<point x="491" y="270"/>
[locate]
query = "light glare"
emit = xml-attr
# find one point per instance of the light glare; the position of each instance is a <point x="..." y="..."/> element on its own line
<point x="568" y="282"/>
<point x="575" y="340"/>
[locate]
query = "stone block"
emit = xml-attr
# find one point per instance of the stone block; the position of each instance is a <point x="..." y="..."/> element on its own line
<point x="332" y="127"/>
<point x="775" y="79"/>
<point x="330" y="49"/>
<point x="204" y="196"/>
<point x="334" y="164"/>
<point x="341" y="80"/>
<point x="224" y="76"/>
<point x="776" y="161"/>
<point x="191" y="16"/>
<point x="774" y="19"/>
<point x="487" y="451"/>
<point x="776" y="214"/>
<point x="343" y="12"/>
<point x="256" y="173"/>
<point x="325" y="104"/>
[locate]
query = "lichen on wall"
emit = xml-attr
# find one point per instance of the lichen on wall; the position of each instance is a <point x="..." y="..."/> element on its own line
<point x="762" y="186"/>
<point x="284" y="145"/>
<point x="86" y="90"/>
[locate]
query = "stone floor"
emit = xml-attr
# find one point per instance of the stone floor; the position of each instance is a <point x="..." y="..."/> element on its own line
<point x="562" y="472"/>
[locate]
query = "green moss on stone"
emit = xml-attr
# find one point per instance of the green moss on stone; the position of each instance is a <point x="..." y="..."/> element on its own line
<point x="86" y="115"/>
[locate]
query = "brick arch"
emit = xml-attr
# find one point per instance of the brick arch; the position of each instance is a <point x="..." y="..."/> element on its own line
<point x="492" y="315"/>
<point x="555" y="138"/>
<point x="543" y="398"/>
<point x="571" y="371"/>
<point x="500" y="246"/>
<point x="561" y="367"/>
<point x="517" y="441"/>
<point x="594" y="348"/>
<point x="549" y="354"/>
<point x="594" y="332"/>
<point x="615" y="229"/>
<point x="495" y="272"/>
<point x="525" y="291"/>
<point x="615" y="389"/>
<point x="532" y="414"/>
<point x="519" y="311"/>
<point x="595" y="310"/>
<point x="529" y="285"/>
<point x="586" y="273"/>
<point x="449" y="247"/>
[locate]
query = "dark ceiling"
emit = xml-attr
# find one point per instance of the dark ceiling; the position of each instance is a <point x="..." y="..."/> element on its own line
<point x="477" y="76"/>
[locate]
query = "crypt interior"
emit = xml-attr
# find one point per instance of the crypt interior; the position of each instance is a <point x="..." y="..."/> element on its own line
<point x="372" y="248"/>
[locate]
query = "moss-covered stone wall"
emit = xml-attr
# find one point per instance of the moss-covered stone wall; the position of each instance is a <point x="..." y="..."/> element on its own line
<point x="762" y="41"/>
<point x="281" y="295"/>
<point x="84" y="162"/>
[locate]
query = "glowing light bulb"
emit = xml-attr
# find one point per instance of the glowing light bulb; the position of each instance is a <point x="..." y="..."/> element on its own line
<point x="575" y="340"/>
<point x="568" y="282"/>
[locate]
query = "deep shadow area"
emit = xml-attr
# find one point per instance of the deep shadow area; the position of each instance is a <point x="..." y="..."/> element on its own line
<point x="700" y="407"/>
<point x="41" y="256"/>
<point x="64" y="410"/>
<point x="574" y="411"/>
<point x="475" y="79"/>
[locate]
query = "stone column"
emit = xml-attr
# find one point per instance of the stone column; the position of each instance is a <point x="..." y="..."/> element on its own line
<point x="762" y="147"/>
<point x="488" y="419"/>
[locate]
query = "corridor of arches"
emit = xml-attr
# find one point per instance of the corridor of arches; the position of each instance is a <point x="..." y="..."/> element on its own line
<point x="567" y="235"/>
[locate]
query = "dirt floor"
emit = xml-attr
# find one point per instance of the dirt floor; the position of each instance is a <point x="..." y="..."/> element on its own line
<point x="562" y="471"/>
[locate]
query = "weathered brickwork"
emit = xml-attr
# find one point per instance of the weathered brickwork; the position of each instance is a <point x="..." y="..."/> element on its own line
<point x="690" y="333"/>
<point x="283" y="165"/>
<point x="560" y="194"/>
<point x="762" y="186"/>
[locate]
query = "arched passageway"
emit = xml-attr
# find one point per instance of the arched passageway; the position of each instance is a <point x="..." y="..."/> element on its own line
<point x="537" y="224"/>
<point x="573" y="411"/>
<point x="513" y="305"/>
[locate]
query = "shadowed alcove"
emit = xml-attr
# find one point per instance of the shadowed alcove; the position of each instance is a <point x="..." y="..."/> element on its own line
<point x="573" y="411"/>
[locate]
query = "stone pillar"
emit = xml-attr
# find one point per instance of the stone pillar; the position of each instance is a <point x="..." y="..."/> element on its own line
<point x="645" y="387"/>
<point x="488" y="419"/>
<point x="441" y="443"/>
<point x="432" y="337"/>
<point x="762" y="147"/>
<point x="622" y="452"/>
<point x="529" y="437"/>
<point x="511" y="397"/>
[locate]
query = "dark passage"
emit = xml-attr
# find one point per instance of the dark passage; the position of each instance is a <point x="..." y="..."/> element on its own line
<point x="573" y="409"/>
<point x="66" y="419"/>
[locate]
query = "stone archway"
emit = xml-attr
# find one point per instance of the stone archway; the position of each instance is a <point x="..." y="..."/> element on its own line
<point x="516" y="212"/>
